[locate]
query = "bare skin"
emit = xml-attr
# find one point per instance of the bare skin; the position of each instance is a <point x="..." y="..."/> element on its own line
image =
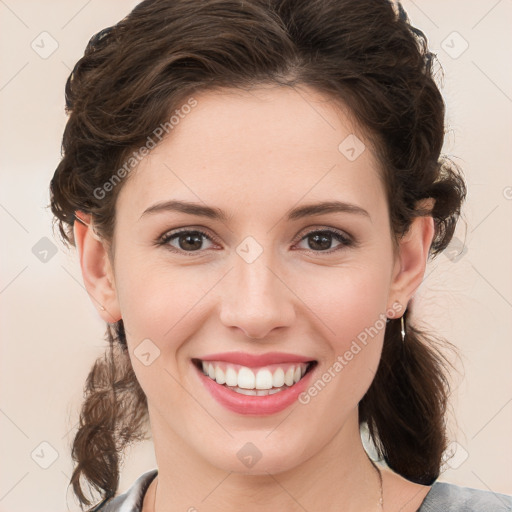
<point x="399" y="494"/>
<point x="256" y="156"/>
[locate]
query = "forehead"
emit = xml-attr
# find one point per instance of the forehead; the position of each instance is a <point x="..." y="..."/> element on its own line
<point x="267" y="146"/>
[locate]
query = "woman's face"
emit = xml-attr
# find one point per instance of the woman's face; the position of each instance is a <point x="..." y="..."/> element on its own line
<point x="260" y="282"/>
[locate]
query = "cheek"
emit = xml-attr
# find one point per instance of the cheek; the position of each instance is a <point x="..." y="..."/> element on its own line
<point x="350" y="327"/>
<point x="160" y="307"/>
<point x="166" y="302"/>
<point x="156" y="298"/>
<point x="163" y="307"/>
<point x="346" y="302"/>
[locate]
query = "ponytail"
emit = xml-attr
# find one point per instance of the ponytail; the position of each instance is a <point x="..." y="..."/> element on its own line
<point x="406" y="403"/>
<point x="112" y="416"/>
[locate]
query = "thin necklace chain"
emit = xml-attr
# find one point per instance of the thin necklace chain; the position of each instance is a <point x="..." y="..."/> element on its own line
<point x="379" y="473"/>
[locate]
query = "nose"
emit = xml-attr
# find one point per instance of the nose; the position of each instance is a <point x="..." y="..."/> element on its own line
<point x="256" y="299"/>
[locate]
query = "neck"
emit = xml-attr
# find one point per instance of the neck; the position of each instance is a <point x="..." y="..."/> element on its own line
<point x="339" y="476"/>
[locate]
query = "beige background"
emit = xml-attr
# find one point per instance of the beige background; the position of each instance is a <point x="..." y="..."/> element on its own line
<point x="51" y="334"/>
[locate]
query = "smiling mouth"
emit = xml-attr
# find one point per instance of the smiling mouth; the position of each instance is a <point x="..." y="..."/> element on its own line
<point x="261" y="381"/>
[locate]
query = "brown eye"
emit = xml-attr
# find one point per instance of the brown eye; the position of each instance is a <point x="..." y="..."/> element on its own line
<point x="320" y="241"/>
<point x="187" y="240"/>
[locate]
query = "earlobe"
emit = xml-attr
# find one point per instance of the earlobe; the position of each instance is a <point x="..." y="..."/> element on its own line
<point x="96" y="269"/>
<point x="412" y="258"/>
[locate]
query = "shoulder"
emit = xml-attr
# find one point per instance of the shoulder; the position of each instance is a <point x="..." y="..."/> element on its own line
<point x="442" y="497"/>
<point x="132" y="499"/>
<point x="447" y="497"/>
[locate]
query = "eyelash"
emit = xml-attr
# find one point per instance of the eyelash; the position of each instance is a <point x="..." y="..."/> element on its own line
<point x="345" y="240"/>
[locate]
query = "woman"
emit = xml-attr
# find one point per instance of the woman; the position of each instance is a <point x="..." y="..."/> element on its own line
<point x="254" y="189"/>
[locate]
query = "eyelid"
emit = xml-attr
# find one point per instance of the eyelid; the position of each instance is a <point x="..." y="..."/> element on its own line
<point x="319" y="229"/>
<point x="347" y="239"/>
<point x="204" y="231"/>
<point x="165" y="238"/>
<point x="199" y="229"/>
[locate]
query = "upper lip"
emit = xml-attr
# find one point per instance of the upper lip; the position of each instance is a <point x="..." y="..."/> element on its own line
<point x="256" y="360"/>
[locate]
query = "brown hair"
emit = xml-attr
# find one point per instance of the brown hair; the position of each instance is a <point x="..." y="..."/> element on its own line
<point x="363" y="54"/>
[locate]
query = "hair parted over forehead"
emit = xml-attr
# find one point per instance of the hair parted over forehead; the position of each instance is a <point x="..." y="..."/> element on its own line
<point x="134" y="74"/>
<point x="364" y="55"/>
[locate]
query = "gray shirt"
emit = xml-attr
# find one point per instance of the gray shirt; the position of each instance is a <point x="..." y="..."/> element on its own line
<point x="442" y="497"/>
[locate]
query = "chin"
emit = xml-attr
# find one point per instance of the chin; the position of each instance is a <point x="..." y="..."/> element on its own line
<point x="255" y="455"/>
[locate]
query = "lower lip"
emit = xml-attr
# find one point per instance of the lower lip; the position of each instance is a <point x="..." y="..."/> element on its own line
<point x="254" y="405"/>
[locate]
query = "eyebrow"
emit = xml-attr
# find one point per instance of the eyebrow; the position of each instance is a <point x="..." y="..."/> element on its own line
<point x="217" y="214"/>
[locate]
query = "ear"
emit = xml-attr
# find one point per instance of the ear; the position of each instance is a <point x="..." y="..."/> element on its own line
<point x="412" y="256"/>
<point x="96" y="268"/>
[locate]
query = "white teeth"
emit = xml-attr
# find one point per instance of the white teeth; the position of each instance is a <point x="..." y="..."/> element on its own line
<point x="219" y="376"/>
<point x="251" y="392"/>
<point x="246" y="378"/>
<point x="263" y="379"/>
<point x="231" y="377"/>
<point x="257" y="392"/>
<point x="288" y="379"/>
<point x="272" y="379"/>
<point x="278" y="378"/>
